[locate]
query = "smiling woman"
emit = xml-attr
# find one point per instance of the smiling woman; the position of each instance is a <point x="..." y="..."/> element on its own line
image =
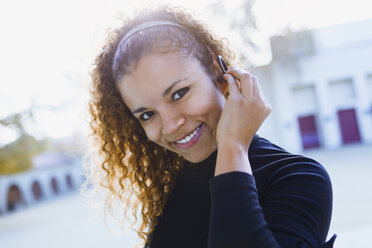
<point x="181" y="112"/>
<point x="184" y="136"/>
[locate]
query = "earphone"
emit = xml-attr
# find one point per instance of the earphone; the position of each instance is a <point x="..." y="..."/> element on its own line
<point x="222" y="64"/>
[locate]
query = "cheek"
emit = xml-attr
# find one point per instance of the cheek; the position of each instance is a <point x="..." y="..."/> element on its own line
<point x="209" y="105"/>
<point x="152" y="133"/>
<point x="216" y="108"/>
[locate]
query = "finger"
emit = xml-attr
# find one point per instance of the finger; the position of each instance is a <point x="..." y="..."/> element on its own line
<point x="265" y="100"/>
<point x="233" y="86"/>
<point x="256" y="88"/>
<point x="244" y="78"/>
<point x="261" y="96"/>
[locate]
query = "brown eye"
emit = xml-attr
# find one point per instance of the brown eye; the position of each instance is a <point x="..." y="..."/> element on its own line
<point x="147" y="115"/>
<point x="179" y="94"/>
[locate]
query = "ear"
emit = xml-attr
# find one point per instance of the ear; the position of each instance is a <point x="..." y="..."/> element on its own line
<point x="217" y="76"/>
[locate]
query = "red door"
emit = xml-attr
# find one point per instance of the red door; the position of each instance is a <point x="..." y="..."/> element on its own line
<point x="309" y="132"/>
<point x="349" y="126"/>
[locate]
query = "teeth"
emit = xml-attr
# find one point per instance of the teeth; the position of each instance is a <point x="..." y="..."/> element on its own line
<point x="189" y="137"/>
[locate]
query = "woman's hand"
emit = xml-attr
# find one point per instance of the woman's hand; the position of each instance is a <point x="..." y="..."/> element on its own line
<point x="245" y="110"/>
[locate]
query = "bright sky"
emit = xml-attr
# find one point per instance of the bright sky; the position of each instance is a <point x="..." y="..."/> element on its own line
<point x="46" y="48"/>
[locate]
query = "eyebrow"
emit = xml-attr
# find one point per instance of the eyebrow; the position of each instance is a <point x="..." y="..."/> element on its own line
<point x="166" y="92"/>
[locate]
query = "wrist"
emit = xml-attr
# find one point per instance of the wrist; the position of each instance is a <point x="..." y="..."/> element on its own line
<point x="232" y="156"/>
<point x="231" y="144"/>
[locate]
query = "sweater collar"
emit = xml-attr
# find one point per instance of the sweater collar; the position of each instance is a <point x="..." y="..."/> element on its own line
<point x="209" y="161"/>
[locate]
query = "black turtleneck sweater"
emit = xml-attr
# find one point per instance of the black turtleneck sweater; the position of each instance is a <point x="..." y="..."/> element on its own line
<point x="286" y="203"/>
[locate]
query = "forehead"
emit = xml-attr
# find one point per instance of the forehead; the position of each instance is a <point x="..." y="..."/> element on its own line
<point x="153" y="74"/>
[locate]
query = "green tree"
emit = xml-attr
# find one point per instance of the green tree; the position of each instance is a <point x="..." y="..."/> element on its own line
<point x="16" y="156"/>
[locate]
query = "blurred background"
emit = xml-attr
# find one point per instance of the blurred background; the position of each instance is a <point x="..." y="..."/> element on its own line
<point x="313" y="60"/>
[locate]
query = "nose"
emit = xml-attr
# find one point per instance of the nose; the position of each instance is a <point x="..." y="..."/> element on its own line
<point x="172" y="120"/>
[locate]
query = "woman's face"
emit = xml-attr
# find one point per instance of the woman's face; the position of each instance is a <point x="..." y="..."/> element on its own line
<point x="176" y="102"/>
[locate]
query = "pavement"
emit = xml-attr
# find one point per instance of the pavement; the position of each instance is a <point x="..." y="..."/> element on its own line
<point x="350" y="170"/>
<point x="71" y="221"/>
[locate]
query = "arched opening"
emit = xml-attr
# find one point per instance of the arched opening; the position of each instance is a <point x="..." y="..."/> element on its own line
<point x="36" y="190"/>
<point x="55" y="185"/>
<point x="69" y="182"/>
<point x="14" y="199"/>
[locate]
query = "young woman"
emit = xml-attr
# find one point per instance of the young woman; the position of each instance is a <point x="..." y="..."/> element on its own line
<point x="182" y="138"/>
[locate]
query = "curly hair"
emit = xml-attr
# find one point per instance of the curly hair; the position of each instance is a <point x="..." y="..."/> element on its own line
<point x="131" y="162"/>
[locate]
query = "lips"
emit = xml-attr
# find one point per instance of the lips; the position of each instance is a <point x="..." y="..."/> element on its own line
<point x="190" y="139"/>
<point x="187" y="134"/>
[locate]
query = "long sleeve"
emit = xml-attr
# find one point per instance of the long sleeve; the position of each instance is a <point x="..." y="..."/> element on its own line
<point x="236" y="216"/>
<point x="286" y="203"/>
<point x="290" y="206"/>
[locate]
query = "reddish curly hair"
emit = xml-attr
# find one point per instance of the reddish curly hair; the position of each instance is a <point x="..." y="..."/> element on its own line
<point x="131" y="162"/>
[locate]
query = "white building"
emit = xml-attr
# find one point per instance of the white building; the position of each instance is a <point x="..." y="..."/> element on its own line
<point x="320" y="86"/>
<point x="35" y="185"/>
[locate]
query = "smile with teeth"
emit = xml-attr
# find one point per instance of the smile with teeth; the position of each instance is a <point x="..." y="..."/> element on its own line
<point x="189" y="137"/>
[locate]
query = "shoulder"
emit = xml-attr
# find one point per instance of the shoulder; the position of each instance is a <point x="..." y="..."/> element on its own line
<point x="266" y="157"/>
<point x="276" y="171"/>
<point x="292" y="186"/>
